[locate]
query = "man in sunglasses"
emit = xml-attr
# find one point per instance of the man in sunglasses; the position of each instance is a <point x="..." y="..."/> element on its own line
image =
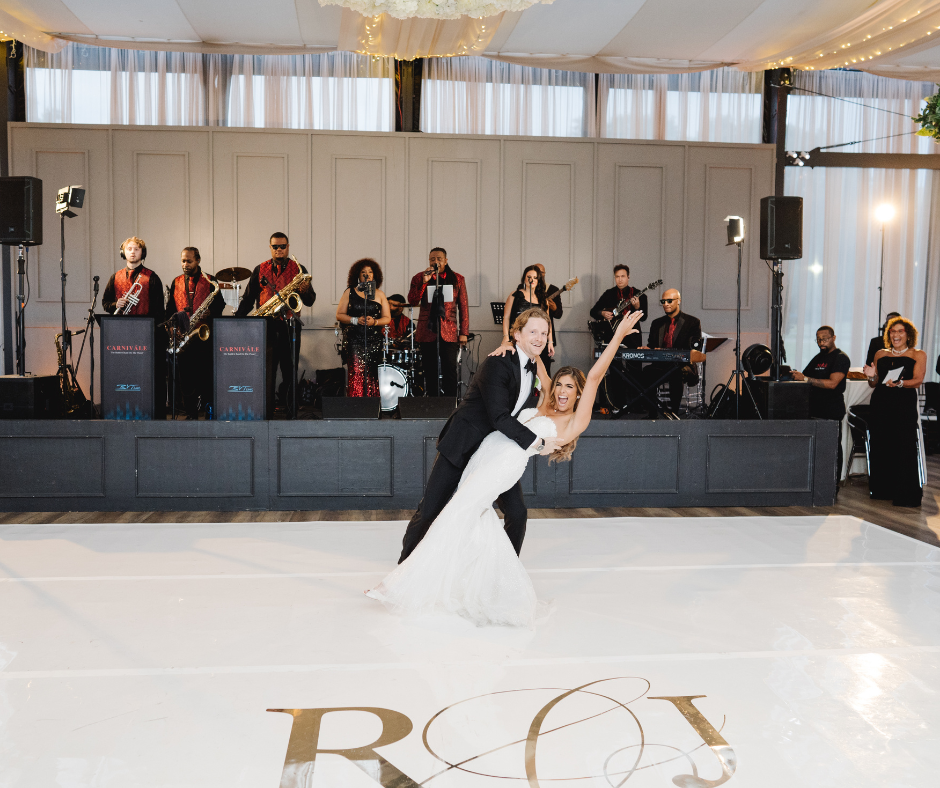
<point x="675" y="329"/>
<point x="268" y="278"/>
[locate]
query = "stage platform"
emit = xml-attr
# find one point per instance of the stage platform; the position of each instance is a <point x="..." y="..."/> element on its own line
<point x="756" y="652"/>
<point x="383" y="464"/>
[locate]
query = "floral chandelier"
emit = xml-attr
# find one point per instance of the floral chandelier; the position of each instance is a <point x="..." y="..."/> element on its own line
<point x="434" y="9"/>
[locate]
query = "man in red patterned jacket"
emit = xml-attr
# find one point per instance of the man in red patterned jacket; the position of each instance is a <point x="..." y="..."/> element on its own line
<point x="194" y="362"/>
<point x="122" y="292"/>
<point x="452" y="337"/>
<point x="268" y="278"/>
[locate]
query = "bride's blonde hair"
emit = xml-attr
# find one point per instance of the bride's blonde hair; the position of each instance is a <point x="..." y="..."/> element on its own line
<point x="563" y="453"/>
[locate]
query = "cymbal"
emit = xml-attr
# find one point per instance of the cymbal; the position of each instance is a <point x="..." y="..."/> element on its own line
<point x="233" y="274"/>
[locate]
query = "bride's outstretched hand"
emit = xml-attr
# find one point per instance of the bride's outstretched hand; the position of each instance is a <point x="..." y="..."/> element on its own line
<point x="626" y="326"/>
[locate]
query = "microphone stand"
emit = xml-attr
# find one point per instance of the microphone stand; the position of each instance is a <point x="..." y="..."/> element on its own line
<point x="21" y="312"/>
<point x="89" y="332"/>
<point x="439" y="308"/>
<point x="292" y="327"/>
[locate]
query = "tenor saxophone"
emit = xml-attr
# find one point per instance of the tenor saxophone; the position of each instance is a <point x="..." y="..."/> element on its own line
<point x="290" y="296"/>
<point x="196" y="327"/>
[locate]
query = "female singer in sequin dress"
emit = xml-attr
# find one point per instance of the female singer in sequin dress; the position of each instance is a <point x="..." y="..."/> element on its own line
<point x="362" y="323"/>
<point x="894" y="456"/>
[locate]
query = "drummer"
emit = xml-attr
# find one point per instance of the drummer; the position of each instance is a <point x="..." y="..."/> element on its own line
<point x="400" y="327"/>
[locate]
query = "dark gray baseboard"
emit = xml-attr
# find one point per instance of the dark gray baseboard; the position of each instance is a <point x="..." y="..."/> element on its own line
<point x="373" y="464"/>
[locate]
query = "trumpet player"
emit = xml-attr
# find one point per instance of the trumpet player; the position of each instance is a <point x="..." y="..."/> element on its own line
<point x="135" y="289"/>
<point x="188" y="293"/>
<point x="266" y="280"/>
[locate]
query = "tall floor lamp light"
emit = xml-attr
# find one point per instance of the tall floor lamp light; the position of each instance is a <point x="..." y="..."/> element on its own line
<point x="884" y="213"/>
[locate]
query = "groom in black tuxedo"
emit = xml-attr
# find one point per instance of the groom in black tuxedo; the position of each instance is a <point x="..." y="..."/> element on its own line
<point x="502" y="386"/>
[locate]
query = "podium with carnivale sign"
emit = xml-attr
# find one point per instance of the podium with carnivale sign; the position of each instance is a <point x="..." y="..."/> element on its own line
<point x="244" y="368"/>
<point x="127" y="368"/>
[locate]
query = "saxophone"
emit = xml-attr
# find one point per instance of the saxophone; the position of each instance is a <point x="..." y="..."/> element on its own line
<point x="196" y="328"/>
<point x="290" y="295"/>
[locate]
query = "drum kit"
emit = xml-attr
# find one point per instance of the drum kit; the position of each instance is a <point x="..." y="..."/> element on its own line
<point x="231" y="283"/>
<point x="398" y="369"/>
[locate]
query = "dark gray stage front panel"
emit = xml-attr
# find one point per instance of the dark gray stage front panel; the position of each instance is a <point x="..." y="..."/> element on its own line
<point x="52" y="466"/>
<point x="335" y="466"/>
<point x="195" y="467"/>
<point x="785" y="466"/>
<point x="602" y="465"/>
<point x="261" y="465"/>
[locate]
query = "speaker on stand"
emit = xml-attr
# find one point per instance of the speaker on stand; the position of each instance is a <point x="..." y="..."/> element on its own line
<point x="781" y="238"/>
<point x="21" y="225"/>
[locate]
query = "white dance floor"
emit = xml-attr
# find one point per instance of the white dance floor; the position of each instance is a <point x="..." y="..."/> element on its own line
<point x="758" y="652"/>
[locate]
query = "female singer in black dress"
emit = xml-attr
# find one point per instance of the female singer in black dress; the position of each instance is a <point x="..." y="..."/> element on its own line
<point x="530" y="293"/>
<point x="363" y="347"/>
<point x="893" y="422"/>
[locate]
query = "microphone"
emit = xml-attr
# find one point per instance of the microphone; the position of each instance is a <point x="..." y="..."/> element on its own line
<point x="96" y="284"/>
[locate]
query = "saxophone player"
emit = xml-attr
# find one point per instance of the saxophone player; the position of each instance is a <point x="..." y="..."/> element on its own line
<point x="267" y="279"/>
<point x="188" y="293"/>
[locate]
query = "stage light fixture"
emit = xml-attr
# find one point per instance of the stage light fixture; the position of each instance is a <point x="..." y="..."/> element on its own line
<point x="884" y="212"/>
<point x="68" y="198"/>
<point x="735" y="230"/>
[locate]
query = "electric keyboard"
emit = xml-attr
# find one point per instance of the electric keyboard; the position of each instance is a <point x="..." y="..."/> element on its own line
<point x="673" y="355"/>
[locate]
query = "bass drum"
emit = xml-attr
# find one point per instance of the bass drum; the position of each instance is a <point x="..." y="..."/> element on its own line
<point x="393" y="384"/>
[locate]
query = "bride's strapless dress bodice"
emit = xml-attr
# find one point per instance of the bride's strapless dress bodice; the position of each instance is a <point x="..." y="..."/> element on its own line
<point x="466" y="563"/>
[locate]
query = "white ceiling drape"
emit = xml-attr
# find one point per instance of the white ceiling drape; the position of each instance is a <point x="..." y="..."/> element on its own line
<point x="898" y="38"/>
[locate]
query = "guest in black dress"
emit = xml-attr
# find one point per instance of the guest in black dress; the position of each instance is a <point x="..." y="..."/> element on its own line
<point x="362" y="347"/>
<point x="530" y="294"/>
<point x="894" y="418"/>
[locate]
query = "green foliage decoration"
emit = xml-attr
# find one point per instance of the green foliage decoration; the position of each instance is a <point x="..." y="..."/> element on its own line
<point x="929" y="119"/>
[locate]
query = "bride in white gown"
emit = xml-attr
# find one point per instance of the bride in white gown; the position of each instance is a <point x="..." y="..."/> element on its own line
<point x="466" y="565"/>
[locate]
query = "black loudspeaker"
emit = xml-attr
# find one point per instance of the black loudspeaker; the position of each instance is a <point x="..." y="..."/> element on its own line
<point x="30" y="397"/>
<point x="352" y="407"/>
<point x="426" y="407"/>
<point x="781" y="228"/>
<point x="781" y="399"/>
<point x="20" y="211"/>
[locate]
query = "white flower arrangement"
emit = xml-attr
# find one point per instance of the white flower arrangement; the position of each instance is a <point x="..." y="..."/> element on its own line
<point x="434" y="9"/>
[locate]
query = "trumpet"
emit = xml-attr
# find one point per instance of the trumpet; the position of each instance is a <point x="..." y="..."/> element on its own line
<point x="132" y="297"/>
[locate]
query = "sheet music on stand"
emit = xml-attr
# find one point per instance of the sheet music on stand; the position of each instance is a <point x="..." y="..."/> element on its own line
<point x="448" y="291"/>
<point x="499" y="309"/>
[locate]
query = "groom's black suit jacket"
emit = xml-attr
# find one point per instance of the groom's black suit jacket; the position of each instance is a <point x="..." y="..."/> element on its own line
<point x="487" y="407"/>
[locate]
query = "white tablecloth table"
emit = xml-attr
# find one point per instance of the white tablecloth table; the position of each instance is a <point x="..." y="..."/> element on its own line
<point x="857" y="392"/>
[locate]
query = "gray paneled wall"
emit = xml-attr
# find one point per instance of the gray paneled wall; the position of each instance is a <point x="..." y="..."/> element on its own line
<point x="496" y="203"/>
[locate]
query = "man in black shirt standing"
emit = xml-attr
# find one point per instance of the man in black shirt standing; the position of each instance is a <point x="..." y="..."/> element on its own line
<point x="826" y="373"/>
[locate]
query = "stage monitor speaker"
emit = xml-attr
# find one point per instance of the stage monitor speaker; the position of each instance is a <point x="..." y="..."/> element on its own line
<point x="426" y="407"/>
<point x="352" y="407"/>
<point x="30" y="397"/>
<point x="20" y="211"/>
<point x="781" y="399"/>
<point x="781" y="228"/>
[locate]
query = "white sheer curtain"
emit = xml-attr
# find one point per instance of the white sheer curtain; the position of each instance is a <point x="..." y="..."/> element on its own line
<point x="836" y="282"/>
<point x="723" y="105"/>
<point x="339" y="90"/>
<point x="85" y="84"/>
<point x="473" y="95"/>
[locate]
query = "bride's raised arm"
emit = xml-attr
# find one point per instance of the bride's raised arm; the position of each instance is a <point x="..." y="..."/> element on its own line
<point x="582" y="416"/>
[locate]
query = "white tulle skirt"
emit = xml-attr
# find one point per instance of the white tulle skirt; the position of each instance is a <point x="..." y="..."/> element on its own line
<point x="466" y="565"/>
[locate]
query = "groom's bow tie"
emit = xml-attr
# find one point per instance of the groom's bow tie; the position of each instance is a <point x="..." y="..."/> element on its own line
<point x="530" y="366"/>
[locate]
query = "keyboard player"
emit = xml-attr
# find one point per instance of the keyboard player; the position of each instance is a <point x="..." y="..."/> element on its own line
<point x="676" y="330"/>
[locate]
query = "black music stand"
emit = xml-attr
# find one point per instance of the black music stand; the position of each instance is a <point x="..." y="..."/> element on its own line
<point x="643" y="393"/>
